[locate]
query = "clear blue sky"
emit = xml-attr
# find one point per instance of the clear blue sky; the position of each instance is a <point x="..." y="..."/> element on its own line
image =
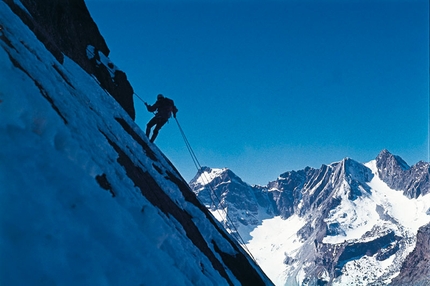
<point x="265" y="87"/>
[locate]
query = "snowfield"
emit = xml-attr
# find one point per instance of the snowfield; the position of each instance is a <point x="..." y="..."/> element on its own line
<point x="378" y="212"/>
<point x="272" y="241"/>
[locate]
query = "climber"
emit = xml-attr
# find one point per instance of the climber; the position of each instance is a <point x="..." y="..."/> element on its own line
<point x="164" y="107"/>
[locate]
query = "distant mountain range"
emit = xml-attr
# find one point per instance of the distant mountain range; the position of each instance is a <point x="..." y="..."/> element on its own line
<point x="346" y="223"/>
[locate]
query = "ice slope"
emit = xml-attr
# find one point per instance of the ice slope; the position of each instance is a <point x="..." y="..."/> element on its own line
<point x="69" y="214"/>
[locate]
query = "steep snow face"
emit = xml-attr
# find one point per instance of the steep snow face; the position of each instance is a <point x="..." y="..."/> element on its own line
<point x="86" y="199"/>
<point x="340" y="224"/>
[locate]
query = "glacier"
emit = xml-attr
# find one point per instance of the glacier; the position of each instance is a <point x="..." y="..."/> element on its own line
<point x="337" y="225"/>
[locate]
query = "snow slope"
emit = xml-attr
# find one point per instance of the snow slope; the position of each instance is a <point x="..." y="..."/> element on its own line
<point x="70" y="214"/>
<point x="343" y="224"/>
<point x="270" y="243"/>
<point x="407" y="216"/>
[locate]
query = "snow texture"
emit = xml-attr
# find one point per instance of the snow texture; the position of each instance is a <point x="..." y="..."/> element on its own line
<point x="368" y="211"/>
<point x="59" y="226"/>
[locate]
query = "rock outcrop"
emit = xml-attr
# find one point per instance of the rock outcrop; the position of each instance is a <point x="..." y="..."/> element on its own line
<point x="86" y="198"/>
<point x="353" y="218"/>
<point x="416" y="268"/>
<point x="66" y="28"/>
<point x="396" y="173"/>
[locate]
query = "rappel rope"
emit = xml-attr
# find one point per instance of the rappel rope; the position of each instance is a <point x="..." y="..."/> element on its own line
<point x="138" y="97"/>
<point x="198" y="167"/>
<point x="190" y="150"/>
<point x="213" y="194"/>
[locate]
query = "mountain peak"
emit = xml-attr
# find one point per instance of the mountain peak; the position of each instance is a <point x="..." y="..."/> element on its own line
<point x="206" y="175"/>
<point x="398" y="175"/>
<point x="356" y="171"/>
<point x="341" y="217"/>
<point x="386" y="159"/>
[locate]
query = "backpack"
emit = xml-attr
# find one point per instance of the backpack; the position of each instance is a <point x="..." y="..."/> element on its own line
<point x="167" y="107"/>
<point x="168" y="102"/>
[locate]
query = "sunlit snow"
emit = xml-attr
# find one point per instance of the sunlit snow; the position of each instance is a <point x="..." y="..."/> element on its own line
<point x="272" y="241"/>
<point x="411" y="213"/>
<point x="275" y="244"/>
<point x="207" y="177"/>
<point x="359" y="216"/>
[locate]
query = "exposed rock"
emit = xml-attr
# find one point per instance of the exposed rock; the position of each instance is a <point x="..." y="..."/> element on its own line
<point x="326" y="198"/>
<point x="244" y="201"/>
<point x="286" y="191"/>
<point x="65" y="27"/>
<point x="95" y="141"/>
<point x="416" y="268"/>
<point x="413" y="181"/>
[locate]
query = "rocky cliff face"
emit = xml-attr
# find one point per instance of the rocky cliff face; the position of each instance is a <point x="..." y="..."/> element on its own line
<point x="320" y="184"/>
<point x="354" y="219"/>
<point x="66" y="28"/>
<point x="413" y="181"/>
<point x="416" y="268"/>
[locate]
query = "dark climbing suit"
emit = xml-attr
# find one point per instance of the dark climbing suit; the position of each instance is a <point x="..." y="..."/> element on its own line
<point x="164" y="107"/>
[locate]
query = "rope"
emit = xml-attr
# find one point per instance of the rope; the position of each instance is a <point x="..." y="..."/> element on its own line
<point x="190" y="150"/>
<point x="139" y="97"/>
<point x="213" y="193"/>
<point x="199" y="167"/>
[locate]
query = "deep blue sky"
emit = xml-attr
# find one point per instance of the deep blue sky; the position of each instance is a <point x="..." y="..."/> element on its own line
<point x="265" y="87"/>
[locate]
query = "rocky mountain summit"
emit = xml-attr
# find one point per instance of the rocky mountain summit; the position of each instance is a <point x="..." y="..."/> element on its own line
<point x="360" y="222"/>
<point x="396" y="173"/>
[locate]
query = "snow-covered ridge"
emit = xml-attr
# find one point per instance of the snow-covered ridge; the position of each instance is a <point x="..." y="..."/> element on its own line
<point x="207" y="175"/>
<point x="340" y="224"/>
<point x="86" y="198"/>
